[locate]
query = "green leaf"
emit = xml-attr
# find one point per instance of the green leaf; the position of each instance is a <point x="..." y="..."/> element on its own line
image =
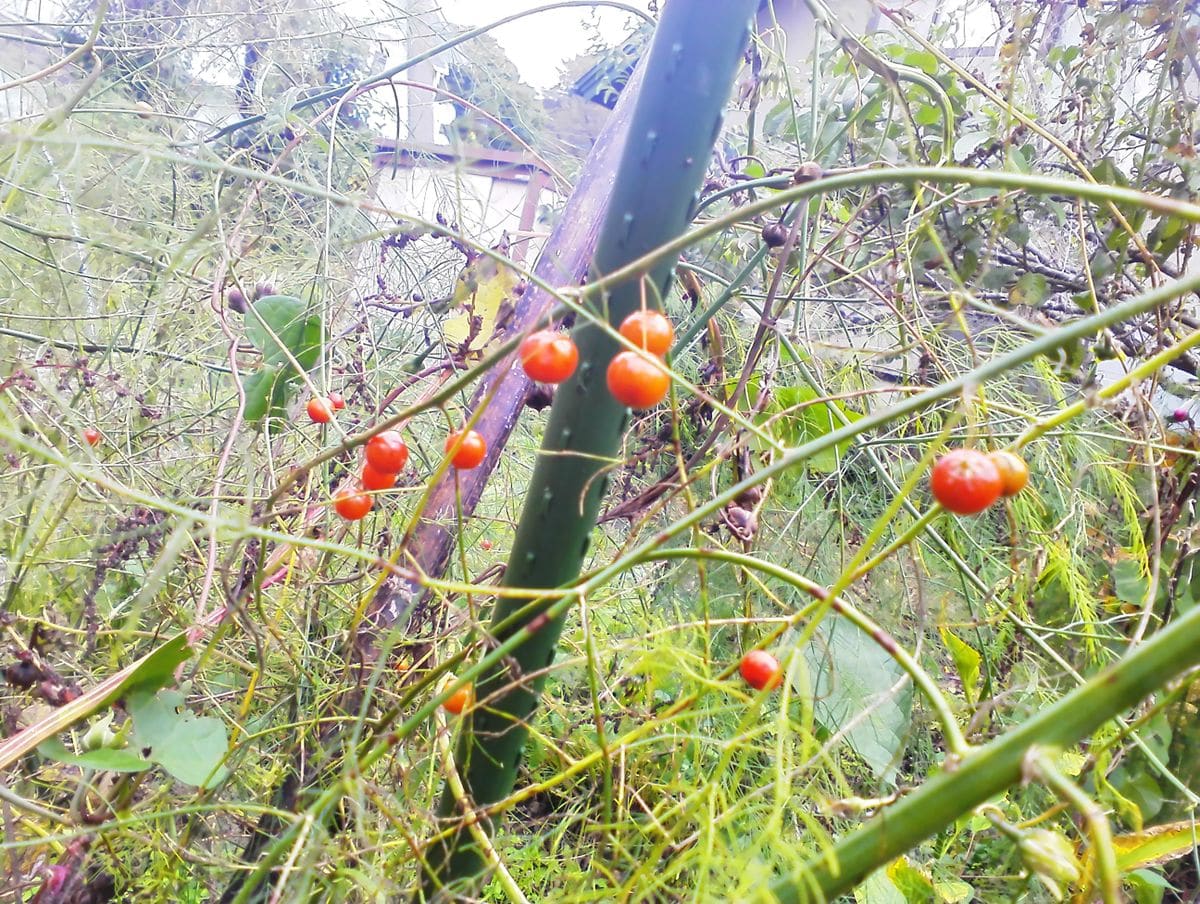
<point x="278" y="322"/>
<point x="105" y="758"/>
<point x="308" y="350"/>
<point x="1130" y="582"/>
<point x="188" y="746"/>
<point x="1167" y="235"/>
<point x="796" y="417"/>
<point x="927" y="115"/>
<point x="1000" y="277"/>
<point x="921" y="59"/>
<point x="265" y="389"/>
<point x="912" y="881"/>
<point x="1031" y="289"/>
<point x="157" y="670"/>
<point x="1141" y="790"/>
<point x="1147" y="886"/>
<point x="878" y="888"/>
<point x="966" y="660"/>
<point x="952" y="891"/>
<point x="968" y="143"/>
<point x="1108" y="173"/>
<point x="854" y="683"/>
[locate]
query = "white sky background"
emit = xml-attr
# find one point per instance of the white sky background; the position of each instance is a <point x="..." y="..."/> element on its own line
<point x="539" y="45"/>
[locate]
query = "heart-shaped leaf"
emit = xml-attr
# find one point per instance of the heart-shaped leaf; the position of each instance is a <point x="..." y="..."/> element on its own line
<point x="188" y="746"/>
<point x="860" y="690"/>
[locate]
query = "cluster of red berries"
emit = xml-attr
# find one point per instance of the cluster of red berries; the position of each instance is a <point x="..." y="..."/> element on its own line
<point x="967" y="481"/>
<point x="385" y="456"/>
<point x="320" y="410"/>
<point x="638" y="379"/>
<point x="635" y="378"/>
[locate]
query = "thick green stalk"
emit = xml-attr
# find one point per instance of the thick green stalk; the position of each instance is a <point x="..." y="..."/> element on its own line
<point x="995" y="766"/>
<point x="690" y="67"/>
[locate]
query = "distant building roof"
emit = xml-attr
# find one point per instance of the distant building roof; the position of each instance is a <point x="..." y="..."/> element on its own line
<point x="603" y="83"/>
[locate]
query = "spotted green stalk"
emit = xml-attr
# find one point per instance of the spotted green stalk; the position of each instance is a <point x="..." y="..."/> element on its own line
<point x="690" y="67"/>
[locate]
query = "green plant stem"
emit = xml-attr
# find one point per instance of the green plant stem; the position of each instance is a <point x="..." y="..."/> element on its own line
<point x="835" y="180"/>
<point x="990" y="769"/>
<point x="1042" y="763"/>
<point x="689" y="70"/>
<point x="455" y="786"/>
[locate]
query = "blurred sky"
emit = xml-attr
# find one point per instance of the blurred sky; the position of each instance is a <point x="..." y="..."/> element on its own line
<point x="540" y="44"/>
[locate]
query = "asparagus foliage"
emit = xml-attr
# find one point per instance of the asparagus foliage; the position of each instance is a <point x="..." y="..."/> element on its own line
<point x="690" y="68"/>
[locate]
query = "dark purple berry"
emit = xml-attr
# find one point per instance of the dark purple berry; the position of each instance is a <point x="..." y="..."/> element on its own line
<point x="774" y="235"/>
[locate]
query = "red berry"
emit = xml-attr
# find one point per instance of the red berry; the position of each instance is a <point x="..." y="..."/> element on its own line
<point x="387" y="452"/>
<point x="548" y="356"/>
<point x="92" y="436"/>
<point x="319" y="411"/>
<point x="649" y="329"/>
<point x="373" y="479"/>
<point x="1014" y="473"/>
<point x="352" y="505"/>
<point x="336" y="400"/>
<point x="965" y="481"/>
<point x="469" y="451"/>
<point x="458" y="701"/>
<point x="637" y="380"/>
<point x="761" y="670"/>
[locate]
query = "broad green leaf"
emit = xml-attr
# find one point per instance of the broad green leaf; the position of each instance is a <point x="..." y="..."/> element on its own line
<point x="308" y="350"/>
<point x="878" y="888"/>
<point x="188" y="746"/>
<point x="796" y="417"/>
<point x="912" y="881"/>
<point x="1156" y="845"/>
<point x="927" y="115"/>
<point x="1140" y="789"/>
<point x="151" y="671"/>
<point x="263" y="390"/>
<point x="999" y="277"/>
<point x="104" y="758"/>
<point x="952" y="891"/>
<point x="921" y="59"/>
<point x="276" y="322"/>
<point x="1167" y="235"/>
<point x="1130" y="582"/>
<point x="969" y="142"/>
<point x="1147" y="886"/>
<point x="1031" y="289"/>
<point x="1126" y="809"/>
<point x="966" y="661"/>
<point x="859" y="688"/>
